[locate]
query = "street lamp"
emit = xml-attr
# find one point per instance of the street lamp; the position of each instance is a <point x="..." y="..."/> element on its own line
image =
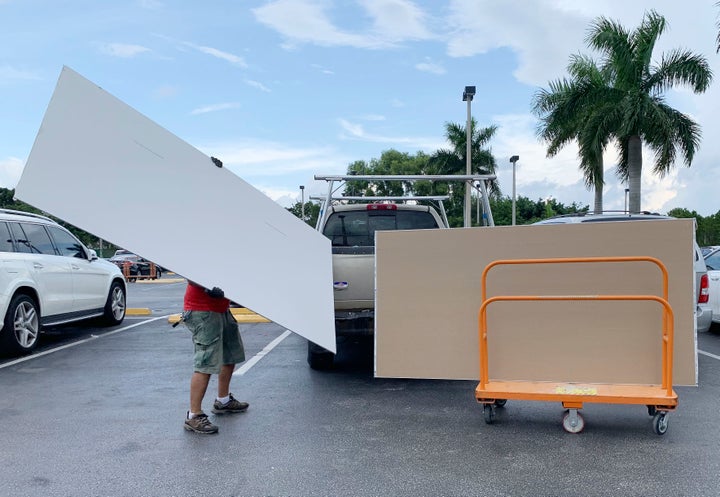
<point x="467" y="97"/>
<point x="627" y="193"/>
<point x="302" y="202"/>
<point x="514" y="160"/>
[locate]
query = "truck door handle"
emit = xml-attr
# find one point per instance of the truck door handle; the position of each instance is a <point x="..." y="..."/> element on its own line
<point x="340" y="285"/>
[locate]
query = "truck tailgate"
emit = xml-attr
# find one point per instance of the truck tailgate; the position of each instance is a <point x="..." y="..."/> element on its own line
<point x="354" y="281"/>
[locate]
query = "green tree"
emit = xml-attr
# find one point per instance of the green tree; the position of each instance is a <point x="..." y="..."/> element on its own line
<point x="391" y="162"/>
<point x="567" y="114"/>
<point x="633" y="107"/>
<point x="529" y="211"/>
<point x="8" y="201"/>
<point x="312" y="211"/>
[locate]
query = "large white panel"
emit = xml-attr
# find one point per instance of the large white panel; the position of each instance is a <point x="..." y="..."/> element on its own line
<point x="105" y="168"/>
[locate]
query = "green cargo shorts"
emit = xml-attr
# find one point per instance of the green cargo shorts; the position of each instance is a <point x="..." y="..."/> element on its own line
<point x="217" y="340"/>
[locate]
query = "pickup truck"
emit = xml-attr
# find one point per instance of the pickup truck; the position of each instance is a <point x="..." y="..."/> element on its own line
<point x="351" y="229"/>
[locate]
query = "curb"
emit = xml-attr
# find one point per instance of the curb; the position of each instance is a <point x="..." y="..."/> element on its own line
<point x="241" y="315"/>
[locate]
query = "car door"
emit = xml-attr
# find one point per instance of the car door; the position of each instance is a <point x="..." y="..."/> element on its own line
<point x="712" y="261"/>
<point x="90" y="280"/>
<point x="52" y="274"/>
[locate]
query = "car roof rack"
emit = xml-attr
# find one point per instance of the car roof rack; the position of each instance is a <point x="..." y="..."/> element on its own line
<point x="479" y="181"/>
<point x="591" y="213"/>
<point x="25" y="213"/>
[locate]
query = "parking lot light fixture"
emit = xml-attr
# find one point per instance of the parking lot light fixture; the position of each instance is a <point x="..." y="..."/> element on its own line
<point x="513" y="160"/>
<point x="467" y="97"/>
<point x="302" y="202"/>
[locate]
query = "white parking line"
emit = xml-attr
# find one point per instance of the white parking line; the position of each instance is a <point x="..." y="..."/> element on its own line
<point x="67" y="346"/>
<point x="246" y="367"/>
<point x="709" y="354"/>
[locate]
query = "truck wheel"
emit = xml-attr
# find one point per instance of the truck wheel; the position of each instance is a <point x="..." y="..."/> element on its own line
<point x="319" y="358"/>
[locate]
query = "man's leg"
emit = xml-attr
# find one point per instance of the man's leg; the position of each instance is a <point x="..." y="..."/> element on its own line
<point x="224" y="380"/>
<point x="225" y="401"/>
<point x="198" y="386"/>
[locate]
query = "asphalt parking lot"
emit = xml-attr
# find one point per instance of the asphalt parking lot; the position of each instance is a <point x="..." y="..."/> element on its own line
<point x="99" y="412"/>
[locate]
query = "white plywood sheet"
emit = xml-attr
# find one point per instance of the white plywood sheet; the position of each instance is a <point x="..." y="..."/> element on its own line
<point x="104" y="167"/>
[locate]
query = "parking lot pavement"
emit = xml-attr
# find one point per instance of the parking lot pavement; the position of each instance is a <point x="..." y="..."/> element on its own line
<point x="104" y="418"/>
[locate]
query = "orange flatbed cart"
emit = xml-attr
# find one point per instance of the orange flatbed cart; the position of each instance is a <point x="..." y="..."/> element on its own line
<point x="659" y="399"/>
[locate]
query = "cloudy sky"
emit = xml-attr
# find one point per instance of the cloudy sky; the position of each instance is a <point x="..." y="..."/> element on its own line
<point x="282" y="90"/>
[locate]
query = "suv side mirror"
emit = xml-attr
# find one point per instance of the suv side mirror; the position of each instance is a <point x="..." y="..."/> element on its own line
<point x="93" y="254"/>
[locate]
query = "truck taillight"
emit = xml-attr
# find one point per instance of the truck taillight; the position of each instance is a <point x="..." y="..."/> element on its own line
<point x="704" y="290"/>
<point x="382" y="207"/>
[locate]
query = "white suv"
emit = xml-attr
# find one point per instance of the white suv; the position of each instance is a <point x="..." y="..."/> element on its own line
<point x="48" y="277"/>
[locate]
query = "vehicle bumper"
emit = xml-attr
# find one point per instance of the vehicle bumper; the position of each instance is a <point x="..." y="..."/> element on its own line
<point x="705" y="318"/>
<point x="355" y="323"/>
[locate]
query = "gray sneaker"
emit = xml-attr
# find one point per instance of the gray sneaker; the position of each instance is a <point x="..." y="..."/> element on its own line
<point x="200" y="424"/>
<point x="233" y="405"/>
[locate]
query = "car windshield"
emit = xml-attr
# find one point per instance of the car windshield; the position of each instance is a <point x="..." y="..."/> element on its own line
<point x="357" y="228"/>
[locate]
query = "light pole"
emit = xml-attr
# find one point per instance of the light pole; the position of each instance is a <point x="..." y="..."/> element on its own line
<point x="514" y="160"/>
<point x="467" y="97"/>
<point x="627" y="193"/>
<point x="302" y="202"/>
<point x="477" y="203"/>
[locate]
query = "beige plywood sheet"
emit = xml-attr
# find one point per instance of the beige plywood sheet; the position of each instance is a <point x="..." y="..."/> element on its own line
<point x="104" y="167"/>
<point x="428" y="295"/>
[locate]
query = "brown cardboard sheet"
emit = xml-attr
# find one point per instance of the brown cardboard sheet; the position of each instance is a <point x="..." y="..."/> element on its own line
<point x="428" y="295"/>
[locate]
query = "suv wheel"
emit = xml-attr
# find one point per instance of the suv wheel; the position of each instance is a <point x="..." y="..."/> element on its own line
<point x="115" y="305"/>
<point x="22" y="326"/>
<point x="319" y="358"/>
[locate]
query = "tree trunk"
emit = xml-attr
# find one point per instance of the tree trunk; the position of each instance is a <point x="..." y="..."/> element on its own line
<point x="598" y="208"/>
<point x="634" y="172"/>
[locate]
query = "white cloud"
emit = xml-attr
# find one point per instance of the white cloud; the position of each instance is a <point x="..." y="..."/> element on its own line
<point x="232" y="58"/>
<point x="307" y="21"/>
<point x="258" y="85"/>
<point x="10" y="171"/>
<point x="322" y="69"/>
<point x="430" y="67"/>
<point x="356" y="131"/>
<point x="123" y="50"/>
<point x="256" y="158"/>
<point x="215" y="108"/>
<point x="397" y="20"/>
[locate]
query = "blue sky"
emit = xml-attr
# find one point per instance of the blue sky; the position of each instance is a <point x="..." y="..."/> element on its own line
<point x="282" y="90"/>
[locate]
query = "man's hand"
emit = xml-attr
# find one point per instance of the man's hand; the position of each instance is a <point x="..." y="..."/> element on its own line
<point x="215" y="293"/>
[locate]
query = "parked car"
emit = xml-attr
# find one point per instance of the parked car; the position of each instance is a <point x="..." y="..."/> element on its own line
<point x="704" y="311"/>
<point x="712" y="262"/>
<point x="137" y="266"/>
<point x="49" y="278"/>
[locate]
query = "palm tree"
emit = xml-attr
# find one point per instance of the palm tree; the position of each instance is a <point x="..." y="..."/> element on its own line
<point x="633" y="108"/>
<point x="567" y="114"/>
<point x="453" y="161"/>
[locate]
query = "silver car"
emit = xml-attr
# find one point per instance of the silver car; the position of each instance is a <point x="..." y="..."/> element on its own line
<point x="704" y="311"/>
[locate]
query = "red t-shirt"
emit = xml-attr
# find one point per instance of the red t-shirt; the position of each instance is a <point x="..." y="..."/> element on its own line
<point x="197" y="300"/>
